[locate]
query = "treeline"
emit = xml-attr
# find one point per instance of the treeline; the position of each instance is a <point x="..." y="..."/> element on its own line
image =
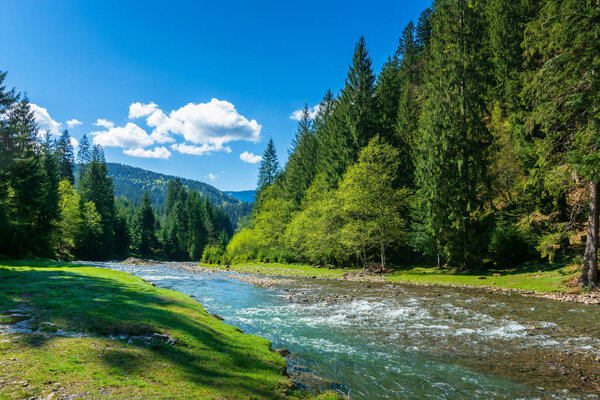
<point x="131" y="183"/>
<point x="48" y="208"/>
<point x="475" y="145"/>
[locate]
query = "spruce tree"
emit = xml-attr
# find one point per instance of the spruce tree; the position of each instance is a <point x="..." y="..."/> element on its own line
<point x="269" y="168"/>
<point x="97" y="187"/>
<point x="66" y="159"/>
<point x="301" y="166"/>
<point x="84" y="156"/>
<point x="562" y="88"/>
<point x="144" y="228"/>
<point x="452" y="153"/>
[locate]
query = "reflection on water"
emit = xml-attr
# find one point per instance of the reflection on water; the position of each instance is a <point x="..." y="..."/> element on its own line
<point x="405" y="342"/>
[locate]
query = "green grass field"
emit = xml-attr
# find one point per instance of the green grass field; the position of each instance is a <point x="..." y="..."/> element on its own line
<point x="209" y="360"/>
<point x="536" y="277"/>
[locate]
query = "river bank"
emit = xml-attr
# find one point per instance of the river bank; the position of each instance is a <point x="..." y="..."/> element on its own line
<point x="555" y="283"/>
<point x="380" y="339"/>
<point x="70" y="331"/>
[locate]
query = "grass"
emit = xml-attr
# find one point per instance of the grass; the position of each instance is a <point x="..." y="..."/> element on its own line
<point x="538" y="277"/>
<point x="210" y="360"/>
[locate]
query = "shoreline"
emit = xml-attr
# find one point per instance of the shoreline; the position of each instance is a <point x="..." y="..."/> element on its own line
<point x="273" y="277"/>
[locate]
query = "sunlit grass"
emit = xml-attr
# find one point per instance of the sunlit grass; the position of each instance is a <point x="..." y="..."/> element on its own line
<point x="210" y="360"/>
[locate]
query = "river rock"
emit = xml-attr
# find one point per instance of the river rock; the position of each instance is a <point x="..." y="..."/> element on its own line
<point x="282" y="352"/>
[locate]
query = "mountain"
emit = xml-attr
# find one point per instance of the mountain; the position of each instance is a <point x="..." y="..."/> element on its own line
<point x="247" y="196"/>
<point x="131" y="183"/>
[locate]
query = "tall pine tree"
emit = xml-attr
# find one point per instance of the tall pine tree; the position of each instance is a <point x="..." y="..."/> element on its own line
<point x="452" y="153"/>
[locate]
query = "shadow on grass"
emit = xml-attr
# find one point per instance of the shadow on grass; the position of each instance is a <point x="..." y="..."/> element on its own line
<point x="208" y="354"/>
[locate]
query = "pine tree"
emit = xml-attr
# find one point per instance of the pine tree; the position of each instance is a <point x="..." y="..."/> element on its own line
<point x="301" y="166"/>
<point x="66" y="160"/>
<point x="7" y="99"/>
<point x="84" y="156"/>
<point x="144" y="228"/>
<point x="452" y="153"/>
<point x="198" y="236"/>
<point x="562" y="88"/>
<point x="97" y="187"/>
<point x="269" y="168"/>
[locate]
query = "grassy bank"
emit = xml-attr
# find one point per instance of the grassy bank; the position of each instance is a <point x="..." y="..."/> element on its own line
<point x="556" y="277"/>
<point x="131" y="340"/>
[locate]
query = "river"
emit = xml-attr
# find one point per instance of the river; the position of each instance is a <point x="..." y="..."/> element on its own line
<point x="379" y="341"/>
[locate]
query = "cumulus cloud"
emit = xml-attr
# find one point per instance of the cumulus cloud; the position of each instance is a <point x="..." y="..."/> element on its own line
<point x="199" y="150"/>
<point x="250" y="157"/>
<point x="137" y="110"/>
<point x="214" y="123"/>
<point x="212" y="177"/>
<point x="205" y="128"/>
<point x="130" y="136"/>
<point x="73" y="123"/>
<point x="74" y="143"/>
<point x="104" y="123"/>
<point x="312" y="113"/>
<point x="157" y="152"/>
<point x="44" y="121"/>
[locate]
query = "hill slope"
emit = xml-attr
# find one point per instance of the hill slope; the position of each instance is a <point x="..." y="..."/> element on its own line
<point x="131" y="183"/>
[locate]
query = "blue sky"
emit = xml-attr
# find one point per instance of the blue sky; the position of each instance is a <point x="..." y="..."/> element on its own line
<point x="260" y="61"/>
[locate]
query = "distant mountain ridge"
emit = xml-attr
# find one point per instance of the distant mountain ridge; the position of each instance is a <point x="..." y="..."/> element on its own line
<point x="246" y="196"/>
<point x="131" y="183"/>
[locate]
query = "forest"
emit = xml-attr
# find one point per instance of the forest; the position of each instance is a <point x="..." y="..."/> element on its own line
<point x="476" y="145"/>
<point x="53" y="205"/>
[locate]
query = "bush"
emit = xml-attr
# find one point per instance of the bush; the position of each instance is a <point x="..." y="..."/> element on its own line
<point x="509" y="245"/>
<point x="213" y="254"/>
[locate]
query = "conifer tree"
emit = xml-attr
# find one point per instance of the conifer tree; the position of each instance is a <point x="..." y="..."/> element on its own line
<point x="144" y="228"/>
<point x="301" y="166"/>
<point x="563" y="93"/>
<point x="66" y="159"/>
<point x="84" y="155"/>
<point x="269" y="167"/>
<point x="97" y="187"/>
<point x="452" y="153"/>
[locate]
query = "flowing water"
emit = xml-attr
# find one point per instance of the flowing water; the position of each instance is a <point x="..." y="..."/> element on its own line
<point x="397" y="342"/>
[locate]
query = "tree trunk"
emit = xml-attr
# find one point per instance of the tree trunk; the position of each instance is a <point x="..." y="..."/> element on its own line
<point x="383" y="256"/>
<point x="589" y="269"/>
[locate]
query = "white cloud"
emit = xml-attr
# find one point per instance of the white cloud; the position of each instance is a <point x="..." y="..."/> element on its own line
<point x="250" y="157"/>
<point x="74" y="143"/>
<point x="216" y="123"/>
<point x="72" y="123"/>
<point x="130" y="136"/>
<point x="137" y="110"/>
<point x="312" y="113"/>
<point x="212" y="176"/>
<point x="44" y="121"/>
<point x="104" y="123"/>
<point x="157" y="152"/>
<point x="199" y="150"/>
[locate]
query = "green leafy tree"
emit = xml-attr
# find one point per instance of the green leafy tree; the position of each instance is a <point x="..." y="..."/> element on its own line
<point x="376" y="212"/>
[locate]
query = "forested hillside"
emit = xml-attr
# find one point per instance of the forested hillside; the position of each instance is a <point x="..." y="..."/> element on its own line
<point x="50" y="209"/>
<point x="131" y="183"/>
<point x="475" y="145"/>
